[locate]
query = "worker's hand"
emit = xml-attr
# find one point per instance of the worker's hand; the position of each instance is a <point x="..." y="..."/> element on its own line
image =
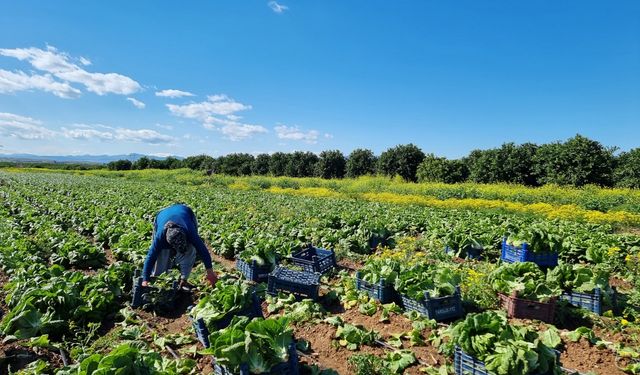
<point x="212" y="277"/>
<point x="145" y="283"/>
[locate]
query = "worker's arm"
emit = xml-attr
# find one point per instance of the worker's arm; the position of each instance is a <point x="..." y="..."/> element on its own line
<point x="203" y="254"/>
<point x="150" y="261"/>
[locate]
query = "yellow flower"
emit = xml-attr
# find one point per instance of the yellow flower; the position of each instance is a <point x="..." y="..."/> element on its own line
<point x="624" y="321"/>
<point x="613" y="250"/>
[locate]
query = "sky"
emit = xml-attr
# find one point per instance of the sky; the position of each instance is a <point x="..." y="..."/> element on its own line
<point x="216" y="77"/>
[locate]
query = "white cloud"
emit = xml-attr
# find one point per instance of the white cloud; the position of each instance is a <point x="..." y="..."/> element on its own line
<point x="165" y="127"/>
<point x="107" y="133"/>
<point x="84" y="61"/>
<point x="278" y="8"/>
<point x="138" y="104"/>
<point x="87" y="134"/>
<point x="20" y="81"/>
<point x="328" y="136"/>
<point x="173" y="93"/>
<point x="27" y="128"/>
<point x="142" y="136"/>
<point x="294" y="133"/>
<point x="215" y="105"/>
<point x="218" y="113"/>
<point x="61" y="65"/>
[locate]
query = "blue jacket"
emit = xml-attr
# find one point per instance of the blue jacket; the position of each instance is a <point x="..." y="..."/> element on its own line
<point x="185" y="218"/>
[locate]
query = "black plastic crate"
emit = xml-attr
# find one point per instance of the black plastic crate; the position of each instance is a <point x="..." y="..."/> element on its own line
<point x="202" y="332"/>
<point x="589" y="301"/>
<point x="301" y="283"/>
<point x="314" y="259"/>
<point x="139" y="293"/>
<point x="381" y="291"/>
<point x="471" y="252"/>
<point x="512" y="254"/>
<point x="252" y="271"/>
<point x="286" y="368"/>
<point x="440" y="308"/>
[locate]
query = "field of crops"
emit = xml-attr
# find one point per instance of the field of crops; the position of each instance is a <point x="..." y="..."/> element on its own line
<point x="70" y="244"/>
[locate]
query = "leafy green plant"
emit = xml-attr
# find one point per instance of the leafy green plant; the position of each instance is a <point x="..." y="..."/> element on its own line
<point x="259" y="343"/>
<point x="524" y="278"/>
<point x="505" y="349"/>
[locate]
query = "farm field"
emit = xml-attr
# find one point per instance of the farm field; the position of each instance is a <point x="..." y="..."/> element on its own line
<point x="70" y="243"/>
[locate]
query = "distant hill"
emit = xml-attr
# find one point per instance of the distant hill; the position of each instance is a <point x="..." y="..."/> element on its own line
<point x="93" y="159"/>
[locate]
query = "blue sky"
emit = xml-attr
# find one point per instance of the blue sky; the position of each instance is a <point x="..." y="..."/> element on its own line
<point x="184" y="78"/>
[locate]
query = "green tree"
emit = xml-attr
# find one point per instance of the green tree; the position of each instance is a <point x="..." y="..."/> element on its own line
<point x="301" y="164"/>
<point x="402" y="160"/>
<point x="198" y="162"/>
<point x="260" y="165"/>
<point x="142" y="163"/>
<point x="627" y="171"/>
<point x="172" y="162"/>
<point x="237" y="164"/>
<point x="360" y="162"/>
<point x="331" y="164"/>
<point x="579" y="161"/>
<point x="510" y="163"/>
<point x="440" y="169"/>
<point x="278" y="164"/>
<point x="119" y="165"/>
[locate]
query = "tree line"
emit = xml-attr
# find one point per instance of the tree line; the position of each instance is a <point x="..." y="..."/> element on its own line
<point x="578" y="161"/>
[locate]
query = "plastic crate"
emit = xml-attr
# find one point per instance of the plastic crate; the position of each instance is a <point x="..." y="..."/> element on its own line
<point x="512" y="254"/>
<point x="465" y="364"/>
<point x="471" y="252"/>
<point x="380" y="291"/>
<point x="589" y="301"/>
<point x="314" y="259"/>
<point x="202" y="332"/>
<point x="139" y="292"/>
<point x="440" y="308"/>
<point x="285" y="368"/>
<point x="252" y="271"/>
<point x="301" y="283"/>
<point x="526" y="309"/>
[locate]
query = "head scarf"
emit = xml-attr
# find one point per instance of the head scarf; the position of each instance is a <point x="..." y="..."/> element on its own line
<point x="176" y="237"/>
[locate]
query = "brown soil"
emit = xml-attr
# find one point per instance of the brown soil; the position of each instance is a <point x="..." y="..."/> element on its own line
<point x="620" y="283"/>
<point x="16" y="356"/>
<point x="349" y="264"/>
<point x="397" y="323"/>
<point x="323" y="353"/>
<point x="228" y="264"/>
<point x="204" y="365"/>
<point x="584" y="357"/>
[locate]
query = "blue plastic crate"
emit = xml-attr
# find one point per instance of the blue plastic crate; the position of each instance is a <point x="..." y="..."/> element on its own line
<point x="202" y="332"/>
<point x="253" y="271"/>
<point x="512" y="254"/>
<point x="314" y="259"/>
<point x="286" y="368"/>
<point x="589" y="301"/>
<point x="440" y="308"/>
<point x="471" y="253"/>
<point x="380" y="291"/>
<point x="301" y="283"/>
<point x="465" y="364"/>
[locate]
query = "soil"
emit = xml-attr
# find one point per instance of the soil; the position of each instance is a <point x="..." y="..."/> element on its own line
<point x="620" y="283"/>
<point x="15" y="356"/>
<point x="584" y="357"/>
<point x="228" y="264"/>
<point x="323" y="353"/>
